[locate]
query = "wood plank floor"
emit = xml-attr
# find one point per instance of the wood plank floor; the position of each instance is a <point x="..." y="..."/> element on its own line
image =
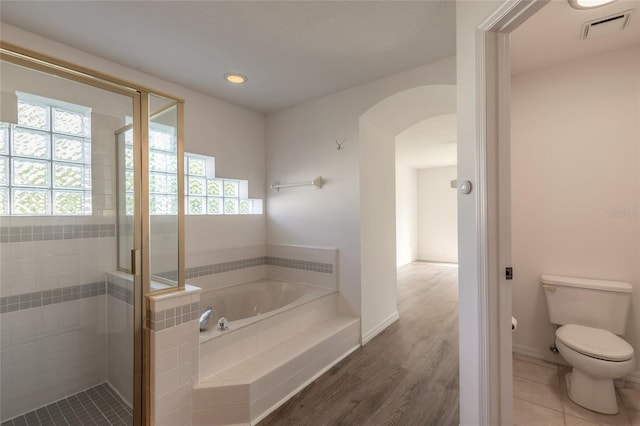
<point x="407" y="375"/>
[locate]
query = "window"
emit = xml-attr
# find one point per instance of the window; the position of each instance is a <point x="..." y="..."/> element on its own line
<point x="204" y="192"/>
<point x="163" y="170"/>
<point x="207" y="194"/>
<point x="45" y="159"/>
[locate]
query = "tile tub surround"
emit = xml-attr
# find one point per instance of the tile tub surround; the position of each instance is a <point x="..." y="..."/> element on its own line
<point x="310" y="265"/>
<point x="316" y="266"/>
<point x="174" y="355"/>
<point x="218" y="268"/>
<point x="540" y="398"/>
<point x="248" y="372"/>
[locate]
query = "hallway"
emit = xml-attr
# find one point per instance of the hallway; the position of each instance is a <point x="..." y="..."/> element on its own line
<point x="407" y="375"/>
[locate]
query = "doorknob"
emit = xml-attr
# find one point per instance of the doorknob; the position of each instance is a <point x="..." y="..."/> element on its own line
<point x="464" y="187"/>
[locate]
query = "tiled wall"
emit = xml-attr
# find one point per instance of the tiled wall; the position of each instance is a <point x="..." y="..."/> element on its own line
<point x="120" y="334"/>
<point x="222" y="268"/>
<point x="52" y="295"/>
<point x="174" y="332"/>
<point x="235" y="265"/>
<point x="49" y="297"/>
<point x="27" y="267"/>
<point x="52" y="292"/>
<point x="51" y="351"/>
<point x="311" y="265"/>
<point x="18" y="234"/>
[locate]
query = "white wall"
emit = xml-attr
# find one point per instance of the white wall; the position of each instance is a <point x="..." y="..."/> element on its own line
<point x="301" y="145"/>
<point x="406" y="214"/>
<point x="575" y="184"/>
<point x="437" y="215"/>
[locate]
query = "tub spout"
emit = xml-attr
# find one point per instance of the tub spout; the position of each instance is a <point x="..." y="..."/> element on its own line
<point x="223" y="324"/>
<point x="204" y="318"/>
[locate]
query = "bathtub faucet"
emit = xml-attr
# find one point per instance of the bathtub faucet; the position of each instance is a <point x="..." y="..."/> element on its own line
<point x="222" y="324"/>
<point x="204" y="318"/>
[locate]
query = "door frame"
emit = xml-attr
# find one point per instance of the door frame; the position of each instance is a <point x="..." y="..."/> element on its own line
<point x="494" y="399"/>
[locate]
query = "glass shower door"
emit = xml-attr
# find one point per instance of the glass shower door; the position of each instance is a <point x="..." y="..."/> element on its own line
<point x="71" y="321"/>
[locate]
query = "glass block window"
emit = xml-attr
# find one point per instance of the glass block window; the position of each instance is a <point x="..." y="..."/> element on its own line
<point x="205" y="193"/>
<point x="45" y="159"/>
<point x="163" y="170"/>
<point x="208" y="194"/>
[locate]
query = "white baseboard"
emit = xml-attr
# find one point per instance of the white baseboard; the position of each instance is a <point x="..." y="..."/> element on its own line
<point x="557" y="359"/>
<point x="380" y="327"/>
<point x="536" y="353"/>
<point x="634" y="377"/>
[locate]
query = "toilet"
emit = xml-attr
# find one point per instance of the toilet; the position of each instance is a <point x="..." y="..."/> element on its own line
<point x="592" y="314"/>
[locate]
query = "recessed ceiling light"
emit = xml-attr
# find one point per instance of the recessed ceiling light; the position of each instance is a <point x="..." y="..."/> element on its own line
<point x="588" y="4"/>
<point x="235" y="78"/>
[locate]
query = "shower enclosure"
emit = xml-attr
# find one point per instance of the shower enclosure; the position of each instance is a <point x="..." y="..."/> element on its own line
<point x="90" y="208"/>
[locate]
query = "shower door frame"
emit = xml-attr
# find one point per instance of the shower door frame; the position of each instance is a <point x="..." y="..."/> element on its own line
<point x="140" y="254"/>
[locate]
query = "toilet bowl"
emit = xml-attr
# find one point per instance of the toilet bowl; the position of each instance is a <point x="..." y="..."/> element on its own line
<point x="597" y="356"/>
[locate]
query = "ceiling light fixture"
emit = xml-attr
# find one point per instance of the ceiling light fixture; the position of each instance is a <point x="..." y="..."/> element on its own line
<point x="588" y="4"/>
<point x="235" y="78"/>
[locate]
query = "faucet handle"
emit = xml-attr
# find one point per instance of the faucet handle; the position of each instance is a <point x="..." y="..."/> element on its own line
<point x="223" y="324"/>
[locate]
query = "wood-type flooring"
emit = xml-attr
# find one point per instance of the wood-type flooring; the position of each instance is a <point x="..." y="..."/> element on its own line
<point x="407" y="375"/>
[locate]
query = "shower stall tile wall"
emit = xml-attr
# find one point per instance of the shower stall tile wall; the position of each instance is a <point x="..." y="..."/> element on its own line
<point x="29" y="267"/>
<point x="50" y="352"/>
<point x="53" y="312"/>
<point x="120" y="323"/>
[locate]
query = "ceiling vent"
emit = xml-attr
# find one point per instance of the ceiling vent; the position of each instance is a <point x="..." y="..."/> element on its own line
<point x="608" y="25"/>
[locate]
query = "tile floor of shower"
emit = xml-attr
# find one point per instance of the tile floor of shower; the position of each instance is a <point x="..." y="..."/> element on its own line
<point x="540" y="398"/>
<point x="100" y="405"/>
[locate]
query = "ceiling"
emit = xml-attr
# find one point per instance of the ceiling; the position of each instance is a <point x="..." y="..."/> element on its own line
<point x="429" y="143"/>
<point x="291" y="51"/>
<point x="552" y="35"/>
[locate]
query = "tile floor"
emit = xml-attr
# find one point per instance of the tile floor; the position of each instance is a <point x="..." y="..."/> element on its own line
<point x="99" y="405"/>
<point x="540" y="398"/>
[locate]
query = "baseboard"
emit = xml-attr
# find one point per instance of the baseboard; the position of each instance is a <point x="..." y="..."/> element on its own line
<point x="380" y="327"/>
<point x="536" y="353"/>
<point x="302" y="386"/>
<point x="557" y="359"/>
<point x="633" y="377"/>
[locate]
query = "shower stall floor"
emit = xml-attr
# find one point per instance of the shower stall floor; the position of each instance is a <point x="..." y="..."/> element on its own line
<point x="100" y="405"/>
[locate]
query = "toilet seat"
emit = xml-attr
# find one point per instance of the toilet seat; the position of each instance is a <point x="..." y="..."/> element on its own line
<point x="595" y="342"/>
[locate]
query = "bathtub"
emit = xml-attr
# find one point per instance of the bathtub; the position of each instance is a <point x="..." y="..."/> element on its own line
<point x="282" y="335"/>
<point x="248" y="303"/>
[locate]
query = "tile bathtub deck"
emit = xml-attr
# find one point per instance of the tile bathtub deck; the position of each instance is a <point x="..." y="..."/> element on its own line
<point x="99" y="405"/>
<point x="540" y="398"/>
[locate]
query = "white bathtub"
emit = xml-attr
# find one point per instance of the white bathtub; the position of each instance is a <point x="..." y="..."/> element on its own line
<point x="247" y="303"/>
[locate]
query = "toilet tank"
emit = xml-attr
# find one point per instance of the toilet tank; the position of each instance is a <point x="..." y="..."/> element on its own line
<point x="592" y="303"/>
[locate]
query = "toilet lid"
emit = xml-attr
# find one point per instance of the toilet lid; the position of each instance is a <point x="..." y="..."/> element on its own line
<point x="594" y="342"/>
